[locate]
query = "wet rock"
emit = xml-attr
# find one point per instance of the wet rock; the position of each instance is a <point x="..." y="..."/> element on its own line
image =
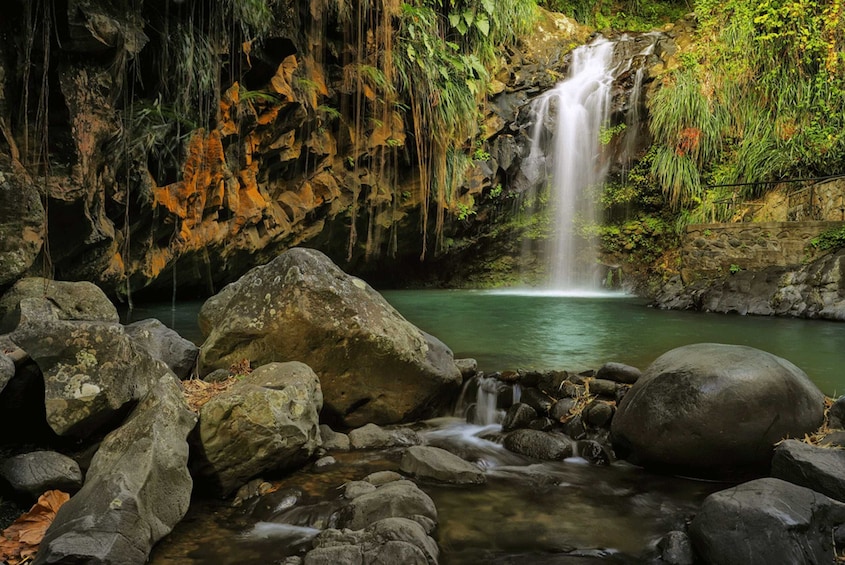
<point x="372" y="436"/>
<point x="92" y="371"/>
<point x="254" y="488"/>
<point x="324" y="462"/>
<point x="594" y="452"/>
<point x="572" y="390"/>
<point x="386" y="542"/>
<point x="335" y="555"/>
<point x="267" y="421"/>
<point x="39" y="471"/>
<point x="817" y="468"/>
<point x="552" y="381"/>
<point x="602" y="387"/>
<point x="710" y="409"/>
<point x="426" y="462"/>
<point x="164" y="344"/>
<point x="541" y="424"/>
<point x="575" y="428"/>
<point x="135" y="491"/>
<point x="833" y="439"/>
<point x="766" y="521"/>
<point x="619" y="372"/>
<point x="561" y="409"/>
<point x="81" y="301"/>
<point x="397" y="499"/>
<point x="539" y="445"/>
<point x="467" y="367"/>
<point x="676" y="549"/>
<point x="217" y="376"/>
<point x="518" y="416"/>
<point x="332" y="440"/>
<point x="537" y="400"/>
<point x="598" y="413"/>
<point x="375" y="367"/>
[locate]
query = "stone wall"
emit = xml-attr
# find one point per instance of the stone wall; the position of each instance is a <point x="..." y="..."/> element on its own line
<point x="716" y="249"/>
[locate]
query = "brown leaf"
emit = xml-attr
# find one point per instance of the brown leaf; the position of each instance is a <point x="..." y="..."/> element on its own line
<point x="20" y="541"/>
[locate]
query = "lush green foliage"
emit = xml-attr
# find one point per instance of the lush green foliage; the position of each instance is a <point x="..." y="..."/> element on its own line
<point x="760" y="96"/>
<point x="629" y="15"/>
<point x="829" y="240"/>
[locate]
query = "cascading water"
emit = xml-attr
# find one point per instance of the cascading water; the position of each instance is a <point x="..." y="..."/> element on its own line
<point x="568" y="153"/>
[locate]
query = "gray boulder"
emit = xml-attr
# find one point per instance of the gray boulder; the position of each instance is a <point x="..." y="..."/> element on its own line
<point x="39" y="471"/>
<point x="70" y="300"/>
<point x="619" y="372"/>
<point x="836" y="414"/>
<point x="389" y="541"/>
<point x="676" y="549"/>
<point x="467" y="367"/>
<point x="332" y="440"/>
<point x="136" y="490"/>
<point x="7" y="370"/>
<point x="518" y="416"/>
<point x="710" y="409"/>
<point x="539" y="445"/>
<point x="373" y="364"/>
<point x="396" y="499"/>
<point x="766" y="521"/>
<point x="817" y="468"/>
<point x="164" y="344"/>
<point x="426" y="462"/>
<point x="267" y="421"/>
<point x="372" y="436"/>
<point x="92" y="370"/>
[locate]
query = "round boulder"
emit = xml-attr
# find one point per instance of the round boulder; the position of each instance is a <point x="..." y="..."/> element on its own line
<point x="715" y="410"/>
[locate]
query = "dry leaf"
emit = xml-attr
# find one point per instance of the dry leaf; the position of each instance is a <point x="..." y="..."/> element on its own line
<point x="19" y="542"/>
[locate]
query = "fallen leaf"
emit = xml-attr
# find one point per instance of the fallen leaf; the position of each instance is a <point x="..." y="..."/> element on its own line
<point x="19" y="542"/>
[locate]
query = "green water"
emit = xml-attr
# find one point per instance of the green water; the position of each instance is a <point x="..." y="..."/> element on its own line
<point x="510" y="330"/>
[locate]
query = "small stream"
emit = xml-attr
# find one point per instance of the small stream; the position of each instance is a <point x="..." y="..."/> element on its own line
<point x="528" y="512"/>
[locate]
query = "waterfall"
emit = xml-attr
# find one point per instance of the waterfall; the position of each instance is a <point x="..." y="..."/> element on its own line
<point x="486" y="402"/>
<point x="567" y="152"/>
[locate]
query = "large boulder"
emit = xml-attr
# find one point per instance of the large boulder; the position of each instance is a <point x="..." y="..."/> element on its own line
<point x="387" y="541"/>
<point x="70" y="300"/>
<point x="766" y="521"/>
<point x="39" y="471"/>
<point x="136" y="489"/>
<point x="712" y="409"/>
<point x="7" y="370"/>
<point x="92" y="371"/>
<point x="427" y="462"/>
<point x="396" y="499"/>
<point x="164" y="344"/>
<point x="374" y="365"/>
<point x="267" y="421"/>
<point x="817" y="468"/>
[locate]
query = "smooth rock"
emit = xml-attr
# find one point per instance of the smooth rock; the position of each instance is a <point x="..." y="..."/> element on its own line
<point x="426" y="462"/>
<point x="397" y="499"/>
<point x="561" y="409"/>
<point x="324" y="462"/>
<point x="602" y="387"/>
<point x="619" y="372"/>
<point x="383" y="477"/>
<point x="541" y="424"/>
<point x="712" y="409"/>
<point x="267" y="421"/>
<point x="39" y="471"/>
<point x="374" y="366"/>
<point x="836" y="414"/>
<point x="92" y="371"/>
<point x="817" y="468"/>
<point x="332" y="440"/>
<point x="335" y="555"/>
<point x="518" y="416"/>
<point x="539" y="401"/>
<point x="598" y="413"/>
<point x="354" y="489"/>
<point x="164" y="344"/>
<point x="467" y="367"/>
<point x="540" y="445"/>
<point x="766" y="521"/>
<point x="135" y="491"/>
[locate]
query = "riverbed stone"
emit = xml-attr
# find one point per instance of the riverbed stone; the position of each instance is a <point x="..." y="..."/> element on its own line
<point x="561" y="409"/>
<point x="676" y="549"/>
<point x="603" y="387"/>
<point x="434" y="463"/>
<point x="536" y="399"/>
<point x="593" y="452"/>
<point x="164" y="344"/>
<point x="543" y="424"/>
<point x="715" y="410"/>
<point x="137" y="488"/>
<point x="7" y="370"/>
<point x="766" y="521"/>
<point x="373" y="436"/>
<point x="267" y="421"/>
<point x="93" y="372"/>
<point x="354" y="489"/>
<point x="539" y="445"/>
<point x="39" y="471"/>
<point x="375" y="366"/>
<point x="818" y="468"/>
<point x="619" y="372"/>
<point x="598" y="413"/>
<point x="383" y="477"/>
<point x="396" y="499"/>
<point x="468" y="367"/>
<point x="386" y="542"/>
<point x="575" y="427"/>
<point x="518" y="416"/>
<point x="836" y="414"/>
<point x="332" y="440"/>
<point x="81" y="300"/>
